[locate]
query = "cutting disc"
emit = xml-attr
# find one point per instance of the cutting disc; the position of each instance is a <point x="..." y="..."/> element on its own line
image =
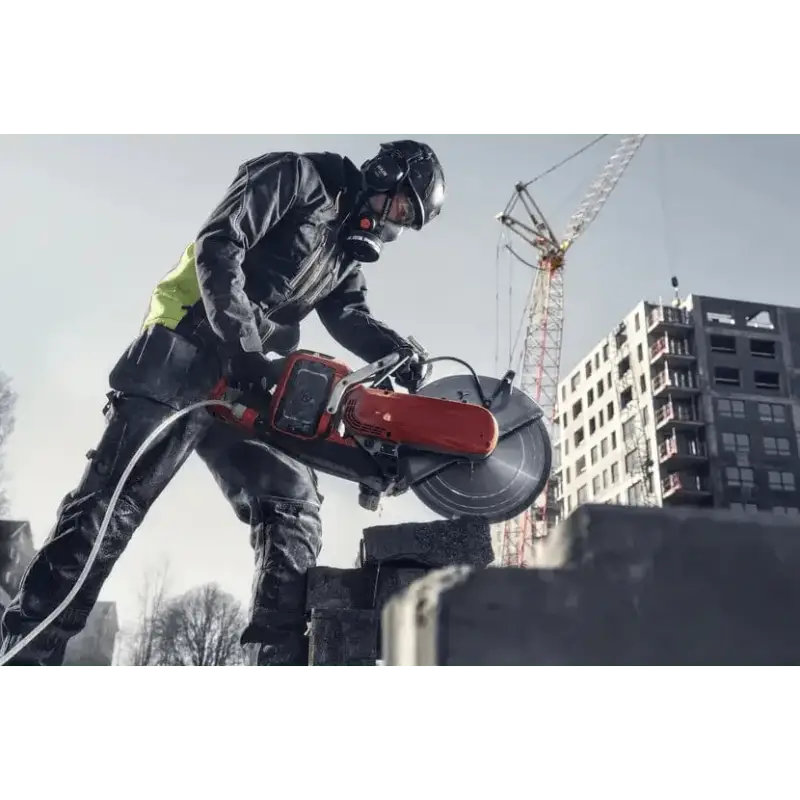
<point x="508" y="481"/>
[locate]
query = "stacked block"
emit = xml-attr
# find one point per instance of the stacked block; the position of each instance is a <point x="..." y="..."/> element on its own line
<point x="345" y="605"/>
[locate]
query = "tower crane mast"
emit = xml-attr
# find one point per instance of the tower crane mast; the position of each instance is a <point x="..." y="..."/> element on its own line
<point x="541" y="357"/>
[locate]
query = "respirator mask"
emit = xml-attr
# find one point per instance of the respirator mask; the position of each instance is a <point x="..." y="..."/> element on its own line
<point x="382" y="208"/>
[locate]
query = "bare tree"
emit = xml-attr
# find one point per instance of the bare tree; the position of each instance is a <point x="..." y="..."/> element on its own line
<point x="201" y="629"/>
<point x="8" y="400"/>
<point x="144" y="643"/>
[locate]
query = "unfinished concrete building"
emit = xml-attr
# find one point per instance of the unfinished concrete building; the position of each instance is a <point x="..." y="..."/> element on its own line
<point x="696" y="403"/>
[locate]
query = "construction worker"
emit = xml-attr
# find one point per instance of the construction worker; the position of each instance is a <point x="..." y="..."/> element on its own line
<point x="290" y="236"/>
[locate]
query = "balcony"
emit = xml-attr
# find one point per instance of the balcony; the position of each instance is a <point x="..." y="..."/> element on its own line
<point x="685" y="487"/>
<point x="679" y="452"/>
<point x="677" y="414"/>
<point x="675" y="383"/>
<point x="623" y="350"/>
<point x="553" y="495"/>
<point x="663" y="318"/>
<point x="668" y="350"/>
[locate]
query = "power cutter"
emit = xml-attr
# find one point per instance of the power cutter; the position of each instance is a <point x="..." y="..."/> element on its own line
<point x="465" y="445"/>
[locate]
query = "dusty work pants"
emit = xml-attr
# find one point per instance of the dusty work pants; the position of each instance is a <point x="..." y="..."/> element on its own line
<point x="275" y="495"/>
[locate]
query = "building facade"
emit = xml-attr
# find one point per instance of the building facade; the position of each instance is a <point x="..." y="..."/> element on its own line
<point x="695" y="403"/>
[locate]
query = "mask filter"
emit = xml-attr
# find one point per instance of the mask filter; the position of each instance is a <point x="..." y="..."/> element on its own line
<point x="368" y="232"/>
<point x="361" y="241"/>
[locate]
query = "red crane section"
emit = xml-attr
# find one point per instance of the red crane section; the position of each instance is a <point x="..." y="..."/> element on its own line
<point x="541" y="357"/>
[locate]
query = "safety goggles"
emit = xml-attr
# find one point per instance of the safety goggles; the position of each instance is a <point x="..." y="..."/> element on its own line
<point x="401" y="209"/>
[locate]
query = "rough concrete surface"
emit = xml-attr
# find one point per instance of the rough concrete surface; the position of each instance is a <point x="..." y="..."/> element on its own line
<point x="635" y="535"/>
<point x="345" y="604"/>
<point x="329" y="588"/>
<point x="366" y="588"/>
<point x="343" y="637"/>
<point x="637" y="586"/>
<point x="432" y="544"/>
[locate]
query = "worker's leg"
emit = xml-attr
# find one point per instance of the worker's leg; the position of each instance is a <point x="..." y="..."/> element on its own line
<point x="278" y="498"/>
<point x="130" y="420"/>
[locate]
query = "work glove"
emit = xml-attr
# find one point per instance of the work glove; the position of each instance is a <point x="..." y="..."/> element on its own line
<point x="251" y="372"/>
<point x="411" y="375"/>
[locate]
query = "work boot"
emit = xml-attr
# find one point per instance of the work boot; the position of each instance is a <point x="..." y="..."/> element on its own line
<point x="291" y="652"/>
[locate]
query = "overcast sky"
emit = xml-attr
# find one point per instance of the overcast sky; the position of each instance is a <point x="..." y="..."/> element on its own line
<point x="90" y="224"/>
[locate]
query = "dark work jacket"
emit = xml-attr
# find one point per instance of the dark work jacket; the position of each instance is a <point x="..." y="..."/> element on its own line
<point x="269" y="254"/>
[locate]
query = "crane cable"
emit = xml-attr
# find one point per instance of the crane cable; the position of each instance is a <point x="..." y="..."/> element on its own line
<point x="566" y="160"/>
<point x="497" y="316"/>
<point x="513" y="338"/>
<point x="501" y="245"/>
<point x="522" y="327"/>
<point x="662" y="184"/>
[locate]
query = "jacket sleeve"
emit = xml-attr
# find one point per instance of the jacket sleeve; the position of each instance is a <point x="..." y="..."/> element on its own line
<point x="261" y="194"/>
<point x="348" y="319"/>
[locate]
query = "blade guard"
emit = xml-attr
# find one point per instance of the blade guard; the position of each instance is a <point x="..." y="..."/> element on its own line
<point x="501" y="486"/>
<point x="432" y="424"/>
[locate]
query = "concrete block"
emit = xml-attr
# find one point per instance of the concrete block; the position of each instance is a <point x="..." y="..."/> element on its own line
<point x="636" y="538"/>
<point x="429" y="544"/>
<point x="329" y="588"/>
<point x="654" y="587"/>
<point x="391" y="580"/>
<point x="365" y="588"/>
<point x="343" y="637"/>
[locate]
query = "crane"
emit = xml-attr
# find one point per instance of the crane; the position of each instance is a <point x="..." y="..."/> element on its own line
<point x="541" y="355"/>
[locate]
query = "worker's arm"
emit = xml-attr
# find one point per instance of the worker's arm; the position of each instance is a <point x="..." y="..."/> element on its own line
<point x="263" y="191"/>
<point x="348" y="319"/>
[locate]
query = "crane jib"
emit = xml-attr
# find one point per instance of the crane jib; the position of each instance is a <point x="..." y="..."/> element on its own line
<point x="543" y="320"/>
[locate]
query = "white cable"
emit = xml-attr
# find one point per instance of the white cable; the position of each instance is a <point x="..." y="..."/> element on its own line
<point x="148" y="442"/>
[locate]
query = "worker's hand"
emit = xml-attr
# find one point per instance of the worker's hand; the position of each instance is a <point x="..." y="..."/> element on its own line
<point x="251" y="372"/>
<point x="411" y="375"/>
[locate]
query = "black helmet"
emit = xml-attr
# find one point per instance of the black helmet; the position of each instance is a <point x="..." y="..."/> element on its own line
<point x="409" y="167"/>
<point x="413" y="168"/>
<point x="403" y="170"/>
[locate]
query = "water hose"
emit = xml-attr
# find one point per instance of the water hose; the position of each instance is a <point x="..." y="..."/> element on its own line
<point x="95" y="551"/>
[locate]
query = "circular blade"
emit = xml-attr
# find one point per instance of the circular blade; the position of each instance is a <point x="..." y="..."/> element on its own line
<point x="506" y="483"/>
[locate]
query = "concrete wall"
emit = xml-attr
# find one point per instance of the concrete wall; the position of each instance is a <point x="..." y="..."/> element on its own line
<point x="615" y="586"/>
